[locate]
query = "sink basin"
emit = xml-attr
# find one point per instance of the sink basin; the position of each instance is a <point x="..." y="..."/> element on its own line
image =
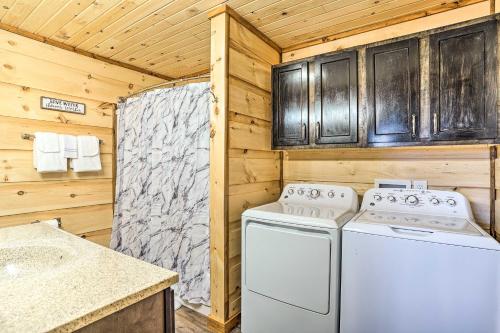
<point x="21" y="261"/>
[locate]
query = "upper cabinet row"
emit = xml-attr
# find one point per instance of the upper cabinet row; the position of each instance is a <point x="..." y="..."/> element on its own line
<point x="315" y="102"/>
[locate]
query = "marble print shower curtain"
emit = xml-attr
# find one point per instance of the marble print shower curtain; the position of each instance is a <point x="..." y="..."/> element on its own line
<point x="161" y="207"/>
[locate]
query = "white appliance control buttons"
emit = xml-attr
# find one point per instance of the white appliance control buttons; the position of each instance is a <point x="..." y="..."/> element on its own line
<point x="451" y="202"/>
<point x="331" y="194"/>
<point x="377" y="197"/>
<point x="412" y="200"/>
<point x="435" y="201"/>
<point x="314" y="193"/>
<point x="391" y="198"/>
<point x="290" y="191"/>
<point x="300" y="191"/>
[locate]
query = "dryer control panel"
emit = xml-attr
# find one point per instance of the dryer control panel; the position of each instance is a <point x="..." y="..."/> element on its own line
<point x="320" y="195"/>
<point x="411" y="201"/>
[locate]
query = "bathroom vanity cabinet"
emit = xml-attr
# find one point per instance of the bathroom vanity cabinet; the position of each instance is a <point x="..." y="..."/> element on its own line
<point x="151" y="315"/>
<point x="79" y="286"/>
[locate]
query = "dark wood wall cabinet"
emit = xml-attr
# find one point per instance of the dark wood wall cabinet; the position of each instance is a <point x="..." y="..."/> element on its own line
<point x="291" y="105"/>
<point x="336" y="99"/>
<point x="392" y="75"/>
<point x="463" y="83"/>
<point x="458" y="72"/>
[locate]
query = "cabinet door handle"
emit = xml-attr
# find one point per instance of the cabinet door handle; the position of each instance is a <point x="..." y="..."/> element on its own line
<point x="413" y="126"/>
<point x="303" y="131"/>
<point x="435" y="123"/>
<point x="318" y="127"/>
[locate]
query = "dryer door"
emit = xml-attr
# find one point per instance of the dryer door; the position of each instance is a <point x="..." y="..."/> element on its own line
<point x="289" y="264"/>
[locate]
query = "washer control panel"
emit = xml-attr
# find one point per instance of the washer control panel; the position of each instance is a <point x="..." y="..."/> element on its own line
<point x="320" y="194"/>
<point x="429" y="202"/>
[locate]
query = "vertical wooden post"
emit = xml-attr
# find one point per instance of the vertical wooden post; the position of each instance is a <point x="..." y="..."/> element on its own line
<point x="219" y="169"/>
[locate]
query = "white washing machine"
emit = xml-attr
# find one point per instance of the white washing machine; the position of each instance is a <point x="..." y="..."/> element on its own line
<point x="291" y="259"/>
<point x="415" y="262"/>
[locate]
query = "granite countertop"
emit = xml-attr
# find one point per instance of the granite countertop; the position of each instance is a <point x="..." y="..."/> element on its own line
<point x="53" y="281"/>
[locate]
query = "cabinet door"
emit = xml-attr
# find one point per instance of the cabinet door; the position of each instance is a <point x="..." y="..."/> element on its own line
<point x="463" y="83"/>
<point x="393" y="92"/>
<point x="336" y="99"/>
<point x="290" y="105"/>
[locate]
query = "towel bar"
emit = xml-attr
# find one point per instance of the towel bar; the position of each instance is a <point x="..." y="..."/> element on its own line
<point x="26" y="136"/>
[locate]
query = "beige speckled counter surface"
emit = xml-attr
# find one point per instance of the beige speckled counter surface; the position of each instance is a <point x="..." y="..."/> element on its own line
<point x="52" y="281"/>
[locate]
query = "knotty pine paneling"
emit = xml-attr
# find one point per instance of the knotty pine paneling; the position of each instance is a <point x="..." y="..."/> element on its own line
<point x="246" y="196"/>
<point x="466" y="173"/>
<point x="17" y="44"/>
<point x="13" y="127"/>
<point x="24" y="70"/>
<point x="77" y="220"/>
<point x="249" y="133"/>
<point x="29" y="197"/>
<point x="25" y="101"/>
<point x="249" y="68"/>
<point x="249" y="168"/>
<point x="254" y="170"/>
<point x="465" y="169"/>
<point x="30" y="69"/>
<point x="246" y="99"/>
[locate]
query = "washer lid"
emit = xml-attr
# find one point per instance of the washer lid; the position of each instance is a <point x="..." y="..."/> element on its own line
<point x="419" y="221"/>
<point x="437" y="229"/>
<point x="307" y="215"/>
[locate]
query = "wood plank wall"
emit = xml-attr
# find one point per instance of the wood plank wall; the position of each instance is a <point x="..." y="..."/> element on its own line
<point x="30" y="69"/>
<point x="254" y="170"/>
<point x="465" y="169"/>
<point x="243" y="167"/>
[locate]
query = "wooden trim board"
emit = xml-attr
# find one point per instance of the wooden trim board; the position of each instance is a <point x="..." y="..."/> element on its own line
<point x="219" y="64"/>
<point x="216" y="326"/>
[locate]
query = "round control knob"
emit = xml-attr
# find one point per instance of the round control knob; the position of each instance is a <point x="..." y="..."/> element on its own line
<point x="290" y="191"/>
<point x="331" y="194"/>
<point x="314" y="193"/>
<point x="300" y="192"/>
<point x="412" y="200"/>
<point x="451" y="202"/>
<point x="391" y="198"/>
<point x="377" y="197"/>
<point x="435" y="201"/>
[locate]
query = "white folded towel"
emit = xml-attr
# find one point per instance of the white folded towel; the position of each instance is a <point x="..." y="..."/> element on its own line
<point x="89" y="158"/>
<point x="47" y="154"/>
<point x="69" y="146"/>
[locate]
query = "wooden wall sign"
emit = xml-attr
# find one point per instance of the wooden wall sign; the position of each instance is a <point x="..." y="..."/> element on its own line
<point x="56" y="104"/>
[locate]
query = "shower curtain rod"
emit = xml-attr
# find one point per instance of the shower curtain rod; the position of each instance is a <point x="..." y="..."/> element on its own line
<point x="163" y="84"/>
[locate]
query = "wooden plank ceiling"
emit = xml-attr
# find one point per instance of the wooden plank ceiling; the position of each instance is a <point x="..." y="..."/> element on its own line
<point x="172" y="37"/>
